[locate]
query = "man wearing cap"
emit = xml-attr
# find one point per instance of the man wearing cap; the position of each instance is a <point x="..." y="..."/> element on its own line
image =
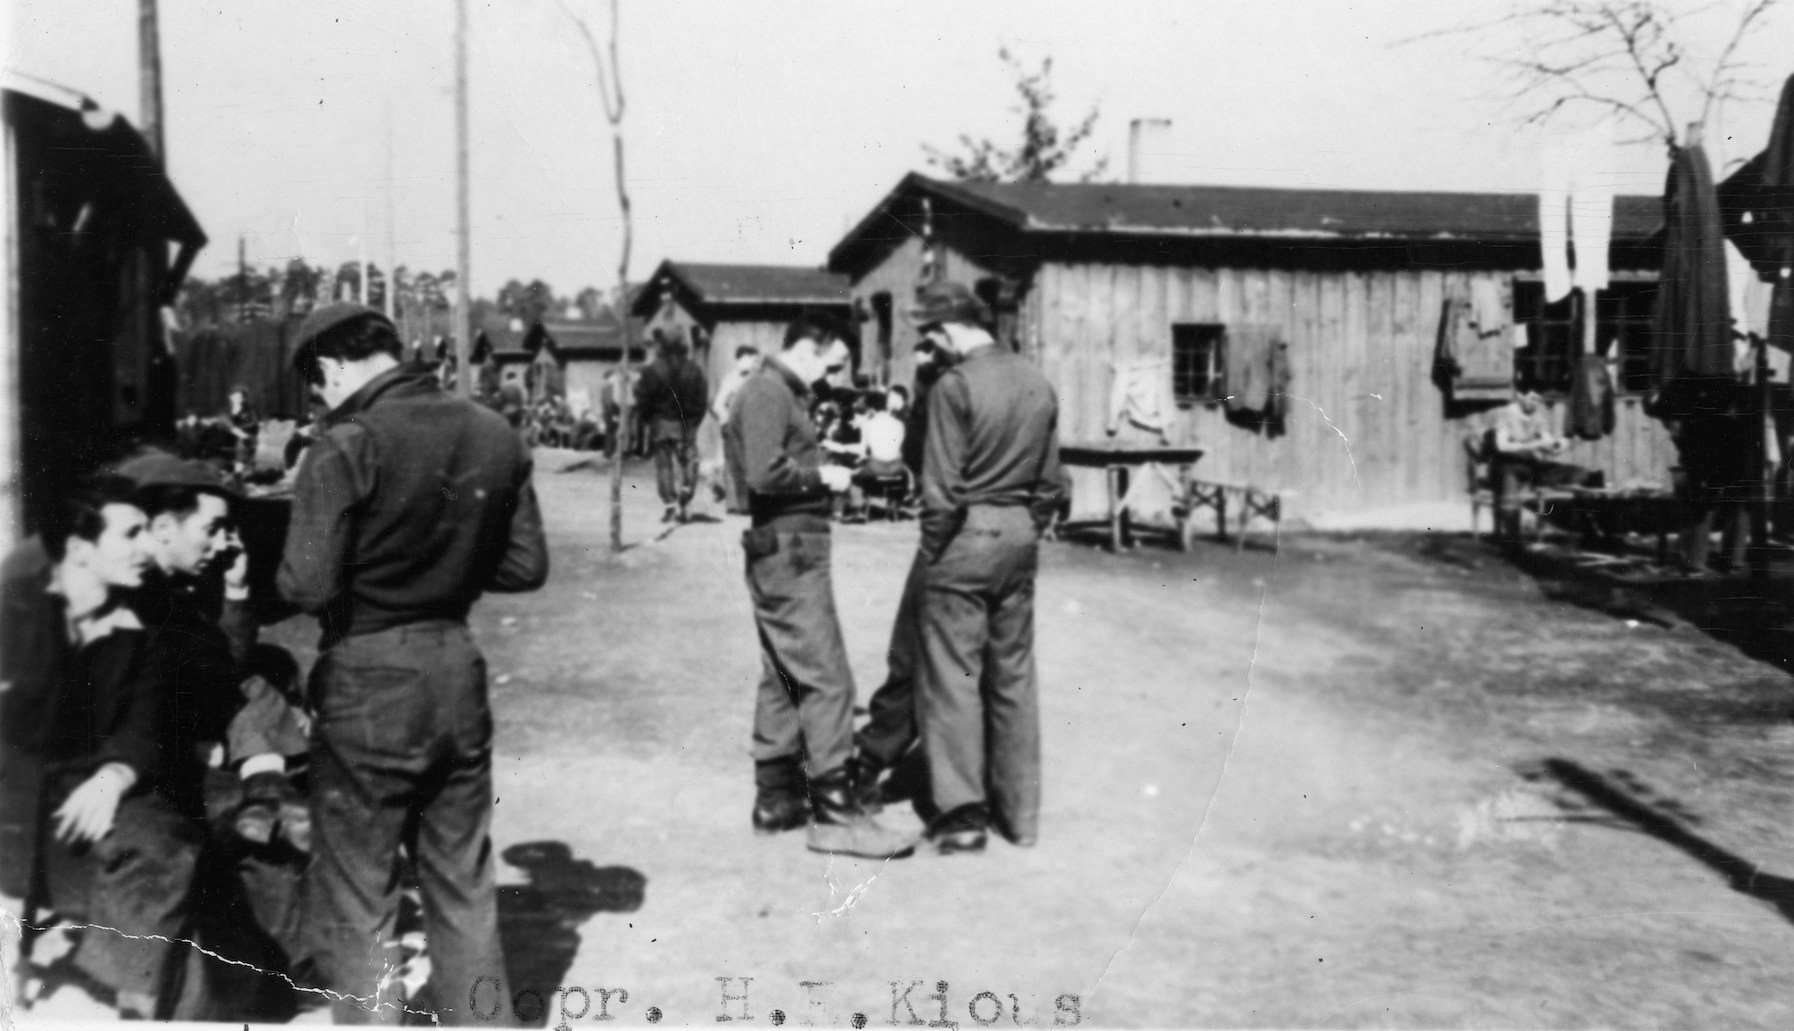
<point x="196" y="597"/>
<point x="891" y="728"/>
<point x="803" y="713"/>
<point x="411" y="503"/>
<point x="990" y="474"/>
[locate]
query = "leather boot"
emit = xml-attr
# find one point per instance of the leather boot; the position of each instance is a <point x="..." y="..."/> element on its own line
<point x="780" y="803"/>
<point x="863" y="770"/>
<point x="840" y="826"/>
<point x="962" y="830"/>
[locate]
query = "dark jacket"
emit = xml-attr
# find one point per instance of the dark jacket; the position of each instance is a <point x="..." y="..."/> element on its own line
<point x="673" y="391"/>
<point x="772" y="447"/>
<point x="204" y="644"/>
<point x="410" y="505"/>
<point x="993" y="439"/>
<point x="77" y="707"/>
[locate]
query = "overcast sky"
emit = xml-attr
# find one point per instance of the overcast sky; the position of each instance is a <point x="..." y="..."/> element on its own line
<point x="759" y="131"/>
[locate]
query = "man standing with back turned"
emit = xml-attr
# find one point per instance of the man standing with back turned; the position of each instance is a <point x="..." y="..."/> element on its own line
<point x="803" y="713"/>
<point x="990" y="478"/>
<point x="411" y="503"/>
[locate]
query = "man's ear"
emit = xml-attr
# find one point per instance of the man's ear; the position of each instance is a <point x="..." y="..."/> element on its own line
<point x="160" y="524"/>
<point x="78" y="550"/>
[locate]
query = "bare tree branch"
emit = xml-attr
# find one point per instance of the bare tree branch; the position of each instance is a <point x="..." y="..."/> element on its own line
<point x="610" y="88"/>
<point x="1753" y="12"/>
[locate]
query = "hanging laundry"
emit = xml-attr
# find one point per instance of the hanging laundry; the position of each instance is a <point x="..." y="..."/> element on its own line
<point x="1249" y="350"/>
<point x="1475" y="352"/>
<point x="1554" y="227"/>
<point x="1140" y="393"/>
<point x="1591" y="227"/>
<point x="1591" y="414"/>
<point x="1692" y="322"/>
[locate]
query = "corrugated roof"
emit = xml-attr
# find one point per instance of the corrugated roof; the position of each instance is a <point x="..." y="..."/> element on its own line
<point x="1199" y="211"/>
<point x="755" y="284"/>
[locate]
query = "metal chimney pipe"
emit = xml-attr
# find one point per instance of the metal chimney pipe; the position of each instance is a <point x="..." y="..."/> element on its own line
<point x="1146" y="138"/>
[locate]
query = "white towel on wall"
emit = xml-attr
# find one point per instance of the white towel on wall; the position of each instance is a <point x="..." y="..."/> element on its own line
<point x="1140" y="393"/>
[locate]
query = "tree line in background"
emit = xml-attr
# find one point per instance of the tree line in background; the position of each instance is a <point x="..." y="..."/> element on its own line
<point x="277" y="292"/>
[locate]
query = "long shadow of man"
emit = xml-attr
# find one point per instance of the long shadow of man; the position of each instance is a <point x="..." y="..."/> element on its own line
<point x="539" y="922"/>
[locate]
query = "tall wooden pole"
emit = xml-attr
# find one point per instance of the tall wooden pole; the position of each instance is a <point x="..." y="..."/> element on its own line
<point x="463" y="307"/>
<point x="392" y="231"/>
<point x="149" y="75"/>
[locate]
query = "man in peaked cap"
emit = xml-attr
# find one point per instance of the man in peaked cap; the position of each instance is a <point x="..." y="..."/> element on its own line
<point x="990" y="475"/>
<point x="410" y="505"/>
<point x="196" y="597"/>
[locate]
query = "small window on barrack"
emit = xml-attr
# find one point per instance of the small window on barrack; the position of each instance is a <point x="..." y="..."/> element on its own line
<point x="1198" y="362"/>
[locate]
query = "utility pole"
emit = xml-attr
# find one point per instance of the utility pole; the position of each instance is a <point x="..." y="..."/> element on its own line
<point x="149" y="76"/>
<point x="463" y="307"/>
<point x="392" y="231"/>
<point x="361" y="255"/>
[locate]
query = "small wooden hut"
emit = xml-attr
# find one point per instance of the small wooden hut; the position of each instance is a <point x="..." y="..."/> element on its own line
<point x="720" y="308"/>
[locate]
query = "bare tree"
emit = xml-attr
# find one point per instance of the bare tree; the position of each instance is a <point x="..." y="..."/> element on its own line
<point x="1044" y="149"/>
<point x="1628" y="60"/>
<point x="610" y="90"/>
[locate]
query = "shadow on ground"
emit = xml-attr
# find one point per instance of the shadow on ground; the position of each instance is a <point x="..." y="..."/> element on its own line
<point x="539" y="922"/>
<point x="1620" y="794"/>
<point x="1753" y="614"/>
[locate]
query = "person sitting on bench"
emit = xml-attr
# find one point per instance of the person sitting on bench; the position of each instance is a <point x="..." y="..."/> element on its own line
<point x="101" y="803"/>
<point x="1523" y="453"/>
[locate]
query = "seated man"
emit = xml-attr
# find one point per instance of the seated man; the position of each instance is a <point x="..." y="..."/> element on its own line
<point x="881" y="441"/>
<point x="236" y="717"/>
<point x="1524" y="446"/>
<point x="89" y="767"/>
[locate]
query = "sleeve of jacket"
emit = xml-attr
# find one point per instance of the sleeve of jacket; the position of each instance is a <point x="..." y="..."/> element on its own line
<point x="333" y="482"/>
<point x="239" y="628"/>
<point x="524" y="566"/>
<point x="763" y="418"/>
<point x="143" y="730"/>
<point x="943" y="464"/>
<point x="1049" y="490"/>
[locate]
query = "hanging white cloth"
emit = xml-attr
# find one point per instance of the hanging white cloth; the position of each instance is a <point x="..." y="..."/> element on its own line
<point x="1591" y="226"/>
<point x="1554" y="226"/>
<point x="1140" y="393"/>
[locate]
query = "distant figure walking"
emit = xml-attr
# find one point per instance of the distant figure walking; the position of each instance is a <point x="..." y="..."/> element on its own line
<point x="673" y="397"/>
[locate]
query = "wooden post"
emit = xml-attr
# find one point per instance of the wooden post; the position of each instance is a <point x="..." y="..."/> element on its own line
<point x="463" y="306"/>
<point x="149" y="76"/>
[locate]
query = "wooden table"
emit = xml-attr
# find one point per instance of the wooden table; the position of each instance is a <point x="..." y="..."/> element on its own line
<point x="1615" y="514"/>
<point x="1118" y="462"/>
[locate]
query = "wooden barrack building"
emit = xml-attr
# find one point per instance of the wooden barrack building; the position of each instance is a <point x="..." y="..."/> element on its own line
<point x="1096" y="281"/>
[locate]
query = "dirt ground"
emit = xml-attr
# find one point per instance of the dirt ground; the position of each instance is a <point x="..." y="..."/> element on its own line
<point x="1360" y="781"/>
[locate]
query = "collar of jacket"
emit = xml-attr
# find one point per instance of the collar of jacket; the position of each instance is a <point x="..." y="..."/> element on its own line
<point x="403" y="380"/>
<point x="979" y="353"/>
<point x="798" y="386"/>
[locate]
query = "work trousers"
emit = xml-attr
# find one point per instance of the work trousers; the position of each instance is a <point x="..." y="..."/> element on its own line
<point x="133" y="887"/>
<point x="402" y="754"/>
<point x="891" y="728"/>
<point x="804" y="706"/>
<point x="980" y="709"/>
<point x="675" y="462"/>
<point x="267" y="723"/>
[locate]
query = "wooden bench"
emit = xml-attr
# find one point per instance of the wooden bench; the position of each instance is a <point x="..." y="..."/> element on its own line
<point x="1250" y="502"/>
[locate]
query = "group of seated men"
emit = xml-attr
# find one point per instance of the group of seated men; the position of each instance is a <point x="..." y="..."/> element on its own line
<point x="142" y="731"/>
<point x="864" y="431"/>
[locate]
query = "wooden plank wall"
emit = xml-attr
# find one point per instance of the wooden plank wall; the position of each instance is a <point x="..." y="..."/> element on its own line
<point x="766" y="337"/>
<point x="1367" y="429"/>
<point x="898" y="274"/>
